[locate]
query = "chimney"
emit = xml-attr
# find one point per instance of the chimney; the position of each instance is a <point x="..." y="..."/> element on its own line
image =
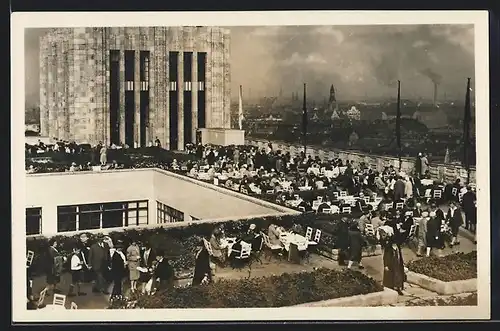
<point x="435" y="93"/>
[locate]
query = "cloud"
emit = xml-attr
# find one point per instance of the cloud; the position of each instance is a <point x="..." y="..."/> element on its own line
<point x="420" y="43"/>
<point x="357" y="60"/>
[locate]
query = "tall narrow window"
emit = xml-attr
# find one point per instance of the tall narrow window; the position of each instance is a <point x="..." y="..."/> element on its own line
<point x="144" y="97"/>
<point x="202" y="59"/>
<point x="174" y="98"/>
<point x="188" y="104"/>
<point x="114" y="96"/>
<point x="129" y="97"/>
<point x="33" y="221"/>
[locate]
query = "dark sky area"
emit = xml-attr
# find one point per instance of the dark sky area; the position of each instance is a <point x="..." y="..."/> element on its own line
<point x="360" y="61"/>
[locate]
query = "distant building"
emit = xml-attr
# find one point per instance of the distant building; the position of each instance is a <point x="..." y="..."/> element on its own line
<point x="130" y="85"/>
<point x="353" y="114"/>
<point x="432" y="119"/>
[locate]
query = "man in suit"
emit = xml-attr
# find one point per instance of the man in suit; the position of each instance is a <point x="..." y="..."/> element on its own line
<point x="148" y="256"/>
<point x="202" y="268"/>
<point x="399" y="189"/>
<point x="164" y="273"/>
<point x="98" y="263"/>
<point x="455" y="221"/>
<point x="469" y="207"/>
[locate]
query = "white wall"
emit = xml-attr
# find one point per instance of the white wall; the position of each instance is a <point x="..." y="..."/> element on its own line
<point x="201" y="200"/>
<point x="206" y="201"/>
<point x="58" y="189"/>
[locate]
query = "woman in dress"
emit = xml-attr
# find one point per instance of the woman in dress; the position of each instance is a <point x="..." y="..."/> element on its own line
<point x="103" y="157"/>
<point x="394" y="272"/>
<point x="434" y="236"/>
<point x="355" y="246"/>
<point x="422" y="233"/>
<point x="117" y="268"/>
<point x="133" y="258"/>
<point x="202" y="270"/>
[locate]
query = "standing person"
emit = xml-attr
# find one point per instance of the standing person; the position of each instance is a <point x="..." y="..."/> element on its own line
<point x="424" y="165"/>
<point x="202" y="270"/>
<point x="469" y="207"/>
<point x="164" y="273"/>
<point x="76" y="265"/>
<point x="355" y="246"/>
<point x="54" y="267"/>
<point x="418" y="165"/>
<point x="399" y="189"/>
<point x="434" y="236"/>
<point x="342" y="241"/>
<point x="394" y="272"/>
<point x="157" y="142"/>
<point x="455" y="221"/>
<point x="85" y="250"/>
<point x="422" y="233"/>
<point x="147" y="258"/>
<point x="117" y="267"/>
<point x="98" y="263"/>
<point x="133" y="258"/>
<point x="103" y="155"/>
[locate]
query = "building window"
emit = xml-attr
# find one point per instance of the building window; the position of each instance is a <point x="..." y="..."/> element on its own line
<point x="144" y="58"/>
<point x="167" y="214"/>
<point x="188" y="66"/>
<point x="33" y="221"/>
<point x="102" y="215"/>
<point x="173" y="66"/>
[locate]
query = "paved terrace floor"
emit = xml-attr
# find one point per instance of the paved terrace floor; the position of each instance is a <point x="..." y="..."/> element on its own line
<point x="373" y="267"/>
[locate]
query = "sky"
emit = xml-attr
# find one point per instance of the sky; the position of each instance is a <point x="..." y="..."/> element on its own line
<point x="362" y="62"/>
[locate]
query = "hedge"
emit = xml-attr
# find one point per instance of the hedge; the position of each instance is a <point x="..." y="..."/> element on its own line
<point x="453" y="267"/>
<point x="180" y="243"/>
<point x="271" y="291"/>
<point x="454" y="300"/>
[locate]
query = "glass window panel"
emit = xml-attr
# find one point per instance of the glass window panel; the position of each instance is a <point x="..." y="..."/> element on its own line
<point x="112" y="219"/>
<point x="89" y="221"/>
<point x="143" y="204"/>
<point x="90" y="208"/>
<point x="143" y="213"/>
<point x="66" y="222"/>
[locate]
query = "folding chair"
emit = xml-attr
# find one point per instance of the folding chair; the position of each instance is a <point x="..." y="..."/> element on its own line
<point x="367" y="199"/>
<point x="309" y="233"/>
<point x="369" y="230"/>
<point x="400" y="205"/>
<point x="244" y="191"/>
<point x="272" y="247"/>
<point x="29" y="258"/>
<point x="302" y="209"/>
<point x="336" y="194"/>
<point x="208" y="247"/>
<point x="389" y="206"/>
<point x="437" y="194"/>
<point x="460" y="196"/>
<point x="327" y="211"/>
<point x="316" y="204"/>
<point x="320" y="199"/>
<point x="59" y="300"/>
<point x="413" y="230"/>
<point x="454" y="191"/>
<point x="317" y="236"/>
<point x="428" y="193"/>
<point x="343" y="193"/>
<point x="346" y="210"/>
<point x="216" y="181"/>
<point x="41" y="299"/>
<point x="73" y="306"/>
<point x="270" y="191"/>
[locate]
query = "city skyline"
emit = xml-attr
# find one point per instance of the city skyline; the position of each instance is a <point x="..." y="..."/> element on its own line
<point x="360" y="61"/>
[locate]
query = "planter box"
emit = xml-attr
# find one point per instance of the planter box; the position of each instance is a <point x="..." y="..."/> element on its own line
<point x="382" y="298"/>
<point x="333" y="253"/>
<point x="440" y="287"/>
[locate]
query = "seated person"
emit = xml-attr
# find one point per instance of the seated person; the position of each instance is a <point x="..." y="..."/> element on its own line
<point x="324" y="205"/>
<point x="306" y="205"/>
<point x="251" y="237"/>
<point x="219" y="252"/>
<point x="376" y="220"/>
<point x="274" y="235"/>
<point x="361" y="204"/>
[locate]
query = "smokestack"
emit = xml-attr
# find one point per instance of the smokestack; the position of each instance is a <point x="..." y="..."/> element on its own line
<point x="435" y="93"/>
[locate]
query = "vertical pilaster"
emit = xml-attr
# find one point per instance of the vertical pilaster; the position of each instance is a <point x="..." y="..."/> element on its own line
<point x="194" y="94"/>
<point x="137" y="84"/>
<point x="120" y="45"/>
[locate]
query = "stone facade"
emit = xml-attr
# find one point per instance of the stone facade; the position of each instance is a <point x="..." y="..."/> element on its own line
<point x="75" y="80"/>
<point x="444" y="172"/>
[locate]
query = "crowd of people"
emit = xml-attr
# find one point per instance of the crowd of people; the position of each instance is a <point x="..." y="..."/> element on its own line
<point x="391" y="206"/>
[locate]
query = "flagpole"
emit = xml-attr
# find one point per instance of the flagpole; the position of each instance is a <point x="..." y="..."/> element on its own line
<point x="304" y="121"/>
<point x="466" y="133"/>
<point x="240" y="109"/>
<point x="398" y="124"/>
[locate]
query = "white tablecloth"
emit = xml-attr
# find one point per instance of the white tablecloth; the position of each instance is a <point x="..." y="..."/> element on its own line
<point x="427" y="182"/>
<point x="54" y="307"/>
<point x="288" y="238"/>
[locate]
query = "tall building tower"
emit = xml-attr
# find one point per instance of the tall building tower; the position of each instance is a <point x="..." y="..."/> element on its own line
<point x="130" y="85"/>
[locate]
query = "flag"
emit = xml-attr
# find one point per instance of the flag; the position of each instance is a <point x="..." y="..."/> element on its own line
<point x="467" y="119"/>
<point x="304" y="117"/>
<point x="240" y="109"/>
